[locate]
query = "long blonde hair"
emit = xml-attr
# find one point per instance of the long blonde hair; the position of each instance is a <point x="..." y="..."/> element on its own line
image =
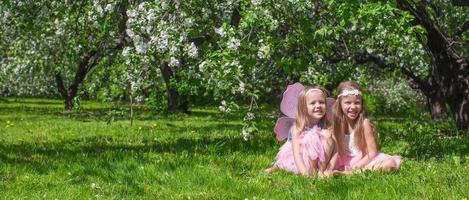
<point x="339" y="123"/>
<point x="303" y="120"/>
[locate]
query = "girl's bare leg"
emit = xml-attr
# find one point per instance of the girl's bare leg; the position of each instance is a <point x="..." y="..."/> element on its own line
<point x="385" y="165"/>
<point x="272" y="169"/>
<point x="314" y="167"/>
<point x="328" y="146"/>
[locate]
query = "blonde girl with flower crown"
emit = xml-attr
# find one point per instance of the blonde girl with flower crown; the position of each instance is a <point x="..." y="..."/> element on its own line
<point x="355" y="135"/>
<point x="308" y="151"/>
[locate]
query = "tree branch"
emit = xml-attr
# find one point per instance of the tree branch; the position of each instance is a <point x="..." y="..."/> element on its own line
<point x="201" y="39"/>
<point x="438" y="42"/>
<point x="365" y="57"/>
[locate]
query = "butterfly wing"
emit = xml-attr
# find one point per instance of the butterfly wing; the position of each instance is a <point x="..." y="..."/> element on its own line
<point x="290" y="99"/>
<point x="282" y="127"/>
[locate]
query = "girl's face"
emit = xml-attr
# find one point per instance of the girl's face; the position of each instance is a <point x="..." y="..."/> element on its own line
<point x="316" y="104"/>
<point x="351" y="106"/>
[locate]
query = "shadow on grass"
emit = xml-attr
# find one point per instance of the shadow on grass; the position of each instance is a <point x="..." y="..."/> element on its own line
<point x="116" y="112"/>
<point x="422" y="140"/>
<point x="32" y="102"/>
<point x="43" y="157"/>
<point x="101" y="149"/>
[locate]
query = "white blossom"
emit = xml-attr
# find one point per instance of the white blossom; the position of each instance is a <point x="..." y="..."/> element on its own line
<point x="192" y="51"/>
<point x="139" y="98"/>
<point x="406" y="38"/>
<point x="137" y="39"/>
<point x="141" y="48"/>
<point x="256" y="2"/>
<point x="95" y="186"/>
<point x="224" y="107"/>
<point x="131" y="13"/>
<point x="173" y="62"/>
<point x="246" y="135"/>
<point x="141" y="6"/>
<point x="133" y="86"/>
<point x="109" y="8"/>
<point x="153" y="39"/>
<point x="99" y="9"/>
<point x="59" y="31"/>
<point x="202" y="66"/>
<point x="233" y="44"/>
<point x="221" y="108"/>
<point x="125" y="52"/>
<point x="163" y="41"/>
<point x="188" y="22"/>
<point x="220" y="31"/>
<point x="242" y="88"/>
<point x="6" y="15"/>
<point x="263" y="52"/>
<point x="164" y="5"/>
<point x="250" y="116"/>
<point x="130" y="33"/>
<point x="151" y="15"/>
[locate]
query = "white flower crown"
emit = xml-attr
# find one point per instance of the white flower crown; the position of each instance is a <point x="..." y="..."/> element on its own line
<point x="314" y="89"/>
<point x="347" y="92"/>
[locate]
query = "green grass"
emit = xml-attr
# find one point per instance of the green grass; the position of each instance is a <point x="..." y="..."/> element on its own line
<point x="48" y="153"/>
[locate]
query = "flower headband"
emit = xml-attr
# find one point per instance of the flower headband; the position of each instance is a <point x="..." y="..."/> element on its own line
<point x="347" y="92"/>
<point x="314" y="89"/>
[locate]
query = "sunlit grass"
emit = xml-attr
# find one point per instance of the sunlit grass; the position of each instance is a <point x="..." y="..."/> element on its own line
<point x="46" y="152"/>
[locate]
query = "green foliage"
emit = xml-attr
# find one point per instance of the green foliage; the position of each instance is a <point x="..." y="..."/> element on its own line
<point x="158" y="102"/>
<point x="211" y="59"/>
<point x="394" y="95"/>
<point x="114" y="115"/>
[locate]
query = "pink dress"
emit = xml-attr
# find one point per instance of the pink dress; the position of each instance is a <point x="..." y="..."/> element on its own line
<point x="310" y="149"/>
<point x="354" y="155"/>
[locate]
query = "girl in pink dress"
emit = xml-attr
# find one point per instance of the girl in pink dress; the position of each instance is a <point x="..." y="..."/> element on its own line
<point x="355" y="135"/>
<point x="306" y="153"/>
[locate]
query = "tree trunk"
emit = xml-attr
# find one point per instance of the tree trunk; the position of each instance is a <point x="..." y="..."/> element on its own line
<point x="89" y="60"/>
<point x="66" y="94"/>
<point x="436" y="107"/>
<point x="462" y="113"/>
<point x="69" y="102"/>
<point x="172" y="99"/>
<point x="176" y="102"/>
<point x="459" y="105"/>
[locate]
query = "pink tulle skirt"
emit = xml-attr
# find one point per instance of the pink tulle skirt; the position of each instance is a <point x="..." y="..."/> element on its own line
<point x="311" y="150"/>
<point x="349" y="160"/>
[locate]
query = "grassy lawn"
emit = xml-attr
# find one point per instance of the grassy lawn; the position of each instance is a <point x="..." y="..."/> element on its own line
<point x="48" y="153"/>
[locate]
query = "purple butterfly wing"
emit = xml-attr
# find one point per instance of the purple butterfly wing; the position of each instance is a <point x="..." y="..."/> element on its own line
<point x="282" y="127"/>
<point x="290" y="99"/>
